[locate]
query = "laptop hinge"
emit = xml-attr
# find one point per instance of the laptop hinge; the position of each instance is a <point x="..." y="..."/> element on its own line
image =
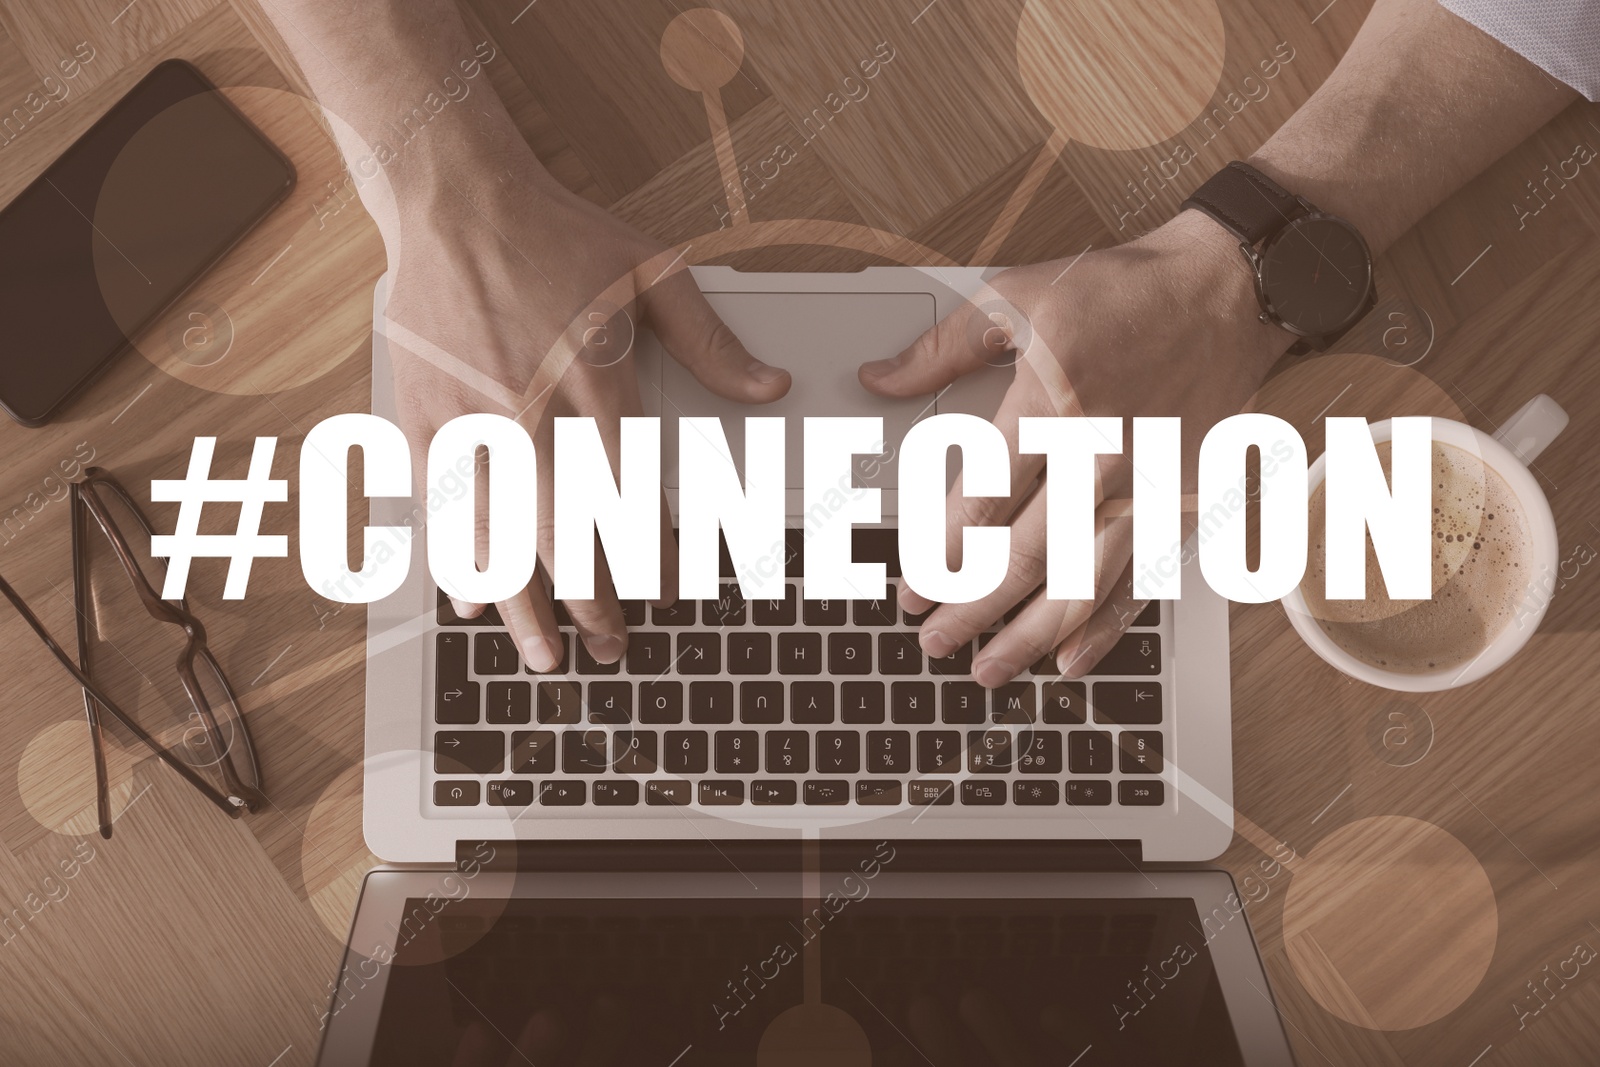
<point x="703" y="855"/>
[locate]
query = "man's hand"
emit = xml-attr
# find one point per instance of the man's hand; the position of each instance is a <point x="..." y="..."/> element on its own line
<point x="493" y="268"/>
<point x="1165" y="325"/>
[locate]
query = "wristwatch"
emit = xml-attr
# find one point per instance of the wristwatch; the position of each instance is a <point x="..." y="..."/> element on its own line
<point x="1313" y="270"/>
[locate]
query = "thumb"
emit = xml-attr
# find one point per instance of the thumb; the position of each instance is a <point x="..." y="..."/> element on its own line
<point x="704" y="344"/>
<point x="963" y="341"/>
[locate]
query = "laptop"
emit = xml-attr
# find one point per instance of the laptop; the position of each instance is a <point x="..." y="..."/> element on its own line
<point x="776" y="832"/>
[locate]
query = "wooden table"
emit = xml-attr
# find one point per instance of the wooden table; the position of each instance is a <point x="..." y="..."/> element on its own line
<point x="1444" y="845"/>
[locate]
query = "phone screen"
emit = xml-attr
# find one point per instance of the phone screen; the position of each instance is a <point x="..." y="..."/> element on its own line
<point x="120" y="225"/>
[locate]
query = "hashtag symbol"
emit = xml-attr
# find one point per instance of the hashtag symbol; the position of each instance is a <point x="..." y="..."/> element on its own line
<point x="242" y="546"/>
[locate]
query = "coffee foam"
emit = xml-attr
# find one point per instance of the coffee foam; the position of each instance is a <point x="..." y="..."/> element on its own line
<point x="1481" y="552"/>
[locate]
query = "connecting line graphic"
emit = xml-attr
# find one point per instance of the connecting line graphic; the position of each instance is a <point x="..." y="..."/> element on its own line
<point x="257" y="489"/>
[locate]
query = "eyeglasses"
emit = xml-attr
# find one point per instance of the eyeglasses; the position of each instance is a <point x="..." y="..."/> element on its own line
<point x="173" y="697"/>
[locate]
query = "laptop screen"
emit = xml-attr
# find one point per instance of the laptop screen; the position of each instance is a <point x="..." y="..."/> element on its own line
<point x="903" y="981"/>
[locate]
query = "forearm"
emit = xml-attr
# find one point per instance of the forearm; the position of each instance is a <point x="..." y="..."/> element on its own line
<point x="1420" y="104"/>
<point x="405" y="84"/>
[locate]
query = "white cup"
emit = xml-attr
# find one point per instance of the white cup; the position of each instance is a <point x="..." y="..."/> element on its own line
<point x="1508" y="453"/>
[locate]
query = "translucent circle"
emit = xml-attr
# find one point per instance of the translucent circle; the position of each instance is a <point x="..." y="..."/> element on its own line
<point x="1391" y="923"/>
<point x="702" y="49"/>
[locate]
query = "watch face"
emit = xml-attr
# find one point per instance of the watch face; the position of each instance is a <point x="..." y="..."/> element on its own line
<point x="1316" y="274"/>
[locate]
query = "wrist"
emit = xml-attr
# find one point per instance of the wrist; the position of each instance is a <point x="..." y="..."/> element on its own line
<point x="1217" y="284"/>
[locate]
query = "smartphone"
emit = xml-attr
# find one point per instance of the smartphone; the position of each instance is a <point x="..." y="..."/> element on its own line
<point x="118" y="227"/>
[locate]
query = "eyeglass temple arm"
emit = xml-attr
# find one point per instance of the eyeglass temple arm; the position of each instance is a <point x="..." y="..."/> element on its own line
<point x="94" y="690"/>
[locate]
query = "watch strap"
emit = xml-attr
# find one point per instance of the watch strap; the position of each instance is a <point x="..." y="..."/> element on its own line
<point x="1248" y="203"/>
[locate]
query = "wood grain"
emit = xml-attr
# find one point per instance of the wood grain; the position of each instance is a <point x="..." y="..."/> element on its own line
<point x="235" y="928"/>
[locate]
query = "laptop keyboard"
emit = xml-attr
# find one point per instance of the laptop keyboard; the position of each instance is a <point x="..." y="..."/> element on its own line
<point x="792" y="702"/>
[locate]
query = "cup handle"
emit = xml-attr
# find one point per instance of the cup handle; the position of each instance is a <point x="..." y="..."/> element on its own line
<point x="1530" y="431"/>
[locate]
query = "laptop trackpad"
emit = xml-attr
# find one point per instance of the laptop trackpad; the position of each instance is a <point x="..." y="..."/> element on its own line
<point x="820" y="339"/>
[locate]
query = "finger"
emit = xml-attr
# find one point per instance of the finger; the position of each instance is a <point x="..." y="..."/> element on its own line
<point x="697" y="338"/>
<point x="531" y="618"/>
<point x="960" y="343"/>
<point x="953" y="625"/>
<point x="598" y="620"/>
<point x="543" y="1038"/>
<point x="1086" y="646"/>
<point x="1044" y="624"/>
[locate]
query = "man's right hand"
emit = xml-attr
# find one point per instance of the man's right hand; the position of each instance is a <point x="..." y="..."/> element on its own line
<point x="491" y="263"/>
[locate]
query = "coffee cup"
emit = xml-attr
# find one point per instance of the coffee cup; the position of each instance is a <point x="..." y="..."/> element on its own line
<point x="1507" y="454"/>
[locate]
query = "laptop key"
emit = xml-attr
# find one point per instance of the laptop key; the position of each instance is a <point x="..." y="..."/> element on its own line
<point x="983" y="794"/>
<point x="888" y="752"/>
<point x="850" y="653"/>
<point x="449" y="659"/>
<point x="462" y="794"/>
<point x="989" y="751"/>
<point x="509" y="702"/>
<point x="875" y="612"/>
<point x="726" y="610"/>
<point x="561" y="794"/>
<point x="560" y="702"/>
<point x="457" y="705"/>
<point x="1089" y="793"/>
<point x="776" y="612"/>
<point x="827" y="791"/>
<point x="861" y="702"/>
<point x="1151" y="616"/>
<point x="788" y="752"/>
<point x="1135" y="793"/>
<point x="799" y="653"/>
<point x="1127" y="703"/>
<point x="678" y="613"/>
<point x="635" y="751"/>
<point x="915" y="620"/>
<point x="666" y="791"/>
<point x="911" y="703"/>
<point x="1141" y="751"/>
<point x="761" y="702"/>
<point x="633" y="612"/>
<point x="660" y="702"/>
<point x="899" y="653"/>
<point x="495" y="653"/>
<point x="490" y="616"/>
<point x="737" y="751"/>
<point x="1013" y="703"/>
<point x="1089" y="752"/>
<point x="931" y="791"/>
<point x="963" y="702"/>
<point x="699" y="653"/>
<point x="685" y="752"/>
<point x="711" y="702"/>
<point x="750" y="653"/>
<point x="649" y="655"/>
<point x="716" y="793"/>
<point x="822" y="612"/>
<point x="1136" y="654"/>
<point x="584" y="752"/>
<point x="611" y="702"/>
<point x="614" y="794"/>
<point x="588" y="665"/>
<point x="1039" y="752"/>
<point x="811" y="703"/>
<point x="510" y="793"/>
<point x="780" y="792"/>
<point x="877" y="791"/>
<point x="1041" y="793"/>
<point x="1064" y="703"/>
<point x="469" y="752"/>
<point x="958" y="663"/>
<point x="838" y="752"/>
<point x="938" y="752"/>
<point x="533" y="752"/>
